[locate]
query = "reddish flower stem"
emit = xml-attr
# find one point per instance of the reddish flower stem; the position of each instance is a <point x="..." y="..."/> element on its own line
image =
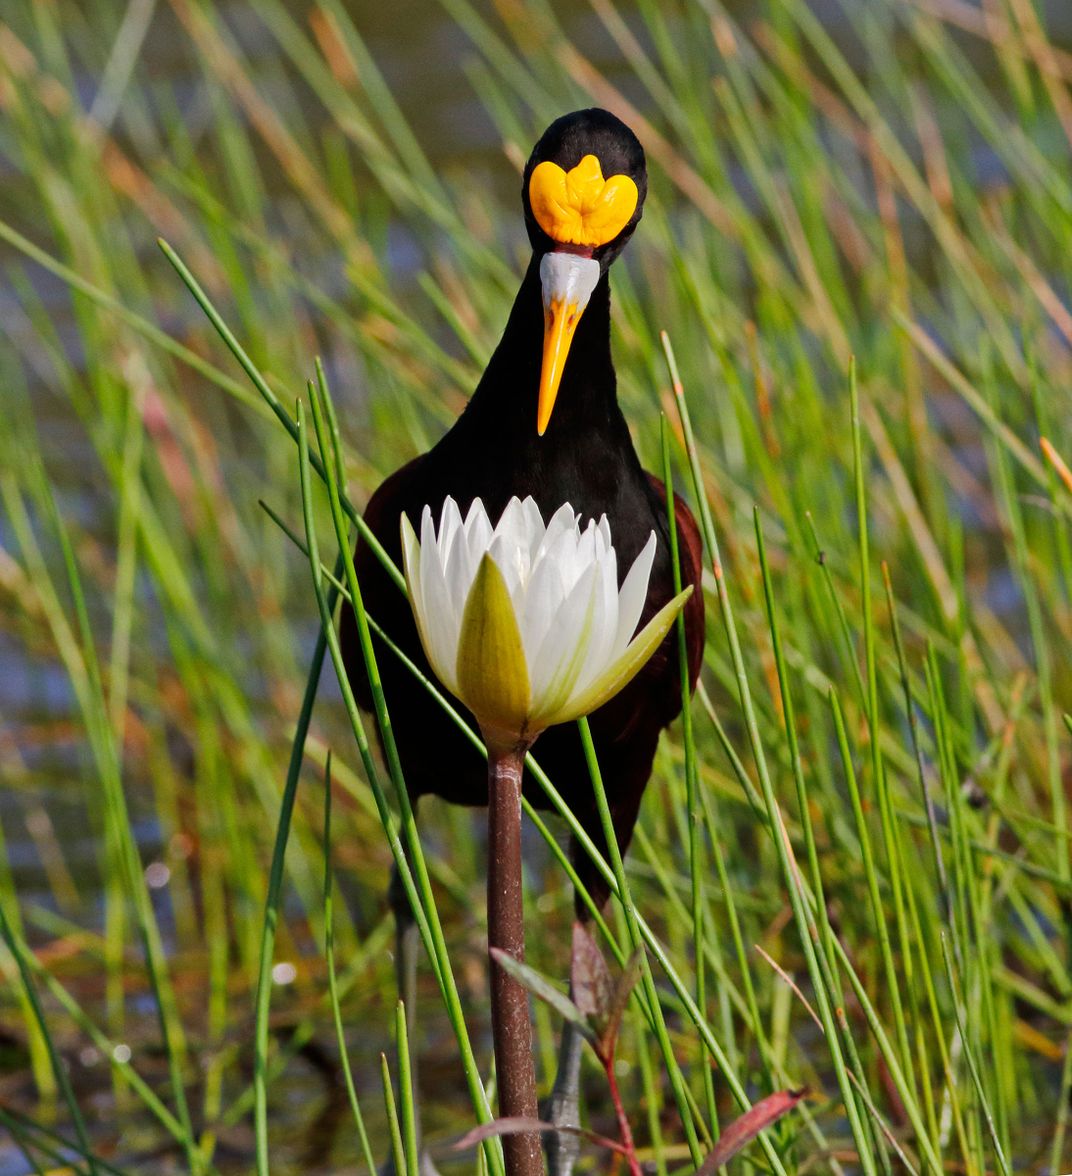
<point x="628" y="1146"/>
<point x="510" y="1021"/>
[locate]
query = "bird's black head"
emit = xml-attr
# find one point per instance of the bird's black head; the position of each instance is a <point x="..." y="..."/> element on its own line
<point x="589" y="187"/>
<point x="583" y="193"/>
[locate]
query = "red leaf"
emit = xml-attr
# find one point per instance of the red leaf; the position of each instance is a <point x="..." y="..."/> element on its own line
<point x="619" y="998"/>
<point x="500" y="1127"/>
<point x="743" y="1130"/>
<point x="590" y="982"/>
<point x="519" y="1124"/>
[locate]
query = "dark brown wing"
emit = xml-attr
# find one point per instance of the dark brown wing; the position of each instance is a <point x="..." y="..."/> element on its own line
<point x="435" y="758"/>
<point x="626" y="730"/>
<point x="690" y="557"/>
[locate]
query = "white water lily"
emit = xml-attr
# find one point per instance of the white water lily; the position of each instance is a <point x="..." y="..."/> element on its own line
<point x="524" y="622"/>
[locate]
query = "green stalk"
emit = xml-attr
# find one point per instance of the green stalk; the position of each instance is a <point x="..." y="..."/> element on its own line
<point x="263" y="998"/>
<point x="1060" y="1127"/>
<point x="726" y="889"/>
<point x="773" y="813"/>
<point x="657" y="950"/>
<point x="415" y="881"/>
<point x="773" y="1064"/>
<point x="273" y="401"/>
<point x="878" y="768"/>
<point x="694" y="811"/>
<point x="973" y="1067"/>
<point x="53" y="1145"/>
<point x="652" y="1101"/>
<point x="333" y="980"/>
<point x="44" y="1078"/>
<point x="406" y="1092"/>
<point x="824" y="951"/>
<point x="816" y="940"/>
<point x="275" y="877"/>
<point x="58" y="1067"/>
<point x="103" y="1043"/>
<point x="635" y="937"/>
<point x="843" y="629"/>
<point x="22" y="1143"/>
<point x="139" y="323"/>
<point x="81" y="658"/>
<point x="398" y="1148"/>
<point x="913" y="727"/>
<point x="867" y="853"/>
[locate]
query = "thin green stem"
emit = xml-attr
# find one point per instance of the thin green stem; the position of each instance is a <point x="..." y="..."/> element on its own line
<point x="333" y="980"/>
<point x="635" y="935"/>
<point x="415" y="880"/>
<point x="263" y="998"/>
<point x="406" y="1093"/>
<point x="694" y="811"/>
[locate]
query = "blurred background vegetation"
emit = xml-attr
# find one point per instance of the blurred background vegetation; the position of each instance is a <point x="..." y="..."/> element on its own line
<point x="888" y="180"/>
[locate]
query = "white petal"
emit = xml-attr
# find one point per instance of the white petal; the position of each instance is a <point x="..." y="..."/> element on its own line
<point x="411" y="566"/>
<point x="601" y="650"/>
<point x="477" y="532"/>
<point x="440" y="621"/>
<point x="633" y="593"/>
<point x="476" y="509"/>
<point x="512" y="560"/>
<point x="512" y="522"/>
<point x="476" y="523"/>
<point x="562" y="654"/>
<point x="534" y="526"/>
<point x="569" y="555"/>
<point x="557" y="567"/>
<point x="559" y="547"/>
<point x="450" y="526"/>
<point x="459" y="571"/>
<point x="543" y="598"/>
<point x="604" y="531"/>
<point x="586" y="548"/>
<point x="562" y="521"/>
<point x="431" y="565"/>
<point x="467" y="544"/>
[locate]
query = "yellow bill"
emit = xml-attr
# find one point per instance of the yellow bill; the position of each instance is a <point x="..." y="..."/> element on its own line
<point x="567" y="280"/>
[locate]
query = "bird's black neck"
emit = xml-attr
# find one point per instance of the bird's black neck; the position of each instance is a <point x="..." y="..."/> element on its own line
<point x="505" y="400"/>
<point x="585" y="456"/>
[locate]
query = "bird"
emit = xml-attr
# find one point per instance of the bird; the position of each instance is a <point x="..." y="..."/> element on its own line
<point x="544" y="421"/>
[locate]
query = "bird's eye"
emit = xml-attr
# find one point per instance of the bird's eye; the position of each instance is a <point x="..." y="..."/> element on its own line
<point x="580" y="207"/>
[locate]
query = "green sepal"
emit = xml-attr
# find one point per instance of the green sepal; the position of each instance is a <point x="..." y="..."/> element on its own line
<point x="493" y="676"/>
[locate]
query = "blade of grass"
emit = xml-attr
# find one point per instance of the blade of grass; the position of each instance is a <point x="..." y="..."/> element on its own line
<point x="415" y="880"/>
<point x="333" y="980"/>
<point x="694" y="812"/>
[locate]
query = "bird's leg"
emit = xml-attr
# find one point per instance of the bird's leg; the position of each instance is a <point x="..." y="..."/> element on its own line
<point x="407" y="946"/>
<point x="563" y="1106"/>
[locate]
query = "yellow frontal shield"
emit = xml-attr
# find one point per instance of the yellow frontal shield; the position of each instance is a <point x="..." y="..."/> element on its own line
<point x="580" y="207"/>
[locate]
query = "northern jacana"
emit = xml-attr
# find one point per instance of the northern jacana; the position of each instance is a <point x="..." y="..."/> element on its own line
<point x="544" y="421"/>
